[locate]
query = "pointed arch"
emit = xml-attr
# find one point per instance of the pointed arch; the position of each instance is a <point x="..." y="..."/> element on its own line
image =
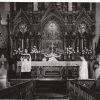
<point x="21" y="17"/>
<point x="52" y="9"/>
<point x="84" y="17"/>
<point x="52" y="14"/>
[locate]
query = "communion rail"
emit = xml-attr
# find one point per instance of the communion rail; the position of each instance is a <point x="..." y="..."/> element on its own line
<point x="82" y="91"/>
<point x="23" y="90"/>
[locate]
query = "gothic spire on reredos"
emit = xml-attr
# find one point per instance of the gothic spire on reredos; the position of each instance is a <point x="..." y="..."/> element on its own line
<point x="21" y="17"/>
<point x="52" y="11"/>
<point x="84" y="17"/>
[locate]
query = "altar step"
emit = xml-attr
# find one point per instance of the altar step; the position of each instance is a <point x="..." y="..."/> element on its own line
<point x="54" y="96"/>
<point x="51" y="90"/>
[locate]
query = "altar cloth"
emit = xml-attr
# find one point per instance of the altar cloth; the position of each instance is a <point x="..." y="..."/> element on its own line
<point x="52" y="63"/>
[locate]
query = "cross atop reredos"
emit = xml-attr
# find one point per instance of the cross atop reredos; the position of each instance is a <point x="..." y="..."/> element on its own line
<point x="52" y="47"/>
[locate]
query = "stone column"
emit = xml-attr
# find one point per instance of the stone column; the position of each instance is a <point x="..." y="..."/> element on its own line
<point x="35" y="6"/>
<point x="14" y="6"/>
<point x="90" y="6"/>
<point x="78" y="6"/>
<point x="97" y="30"/>
<point x="70" y="6"/>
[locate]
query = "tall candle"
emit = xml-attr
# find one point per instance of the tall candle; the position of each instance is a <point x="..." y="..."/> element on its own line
<point x="22" y="44"/>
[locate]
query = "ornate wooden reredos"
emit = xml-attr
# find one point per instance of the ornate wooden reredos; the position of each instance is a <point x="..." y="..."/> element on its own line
<point x="53" y="26"/>
<point x="52" y="30"/>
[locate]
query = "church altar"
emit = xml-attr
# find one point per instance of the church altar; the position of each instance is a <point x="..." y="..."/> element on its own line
<point x="52" y="69"/>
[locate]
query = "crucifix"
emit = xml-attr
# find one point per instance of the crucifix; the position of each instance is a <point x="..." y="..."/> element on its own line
<point x="52" y="46"/>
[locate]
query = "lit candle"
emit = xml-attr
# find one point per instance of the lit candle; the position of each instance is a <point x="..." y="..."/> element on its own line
<point x="27" y="43"/>
<point x="22" y="45"/>
<point x="82" y="44"/>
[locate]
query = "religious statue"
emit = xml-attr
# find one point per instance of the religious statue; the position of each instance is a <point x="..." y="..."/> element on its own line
<point x="23" y="27"/>
<point x="82" y="28"/>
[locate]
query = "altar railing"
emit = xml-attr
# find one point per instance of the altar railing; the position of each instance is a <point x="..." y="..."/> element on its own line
<point x="82" y="91"/>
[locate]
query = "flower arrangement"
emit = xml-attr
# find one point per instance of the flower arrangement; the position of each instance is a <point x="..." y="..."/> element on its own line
<point x="18" y="51"/>
<point x="35" y="50"/>
<point x="87" y="51"/>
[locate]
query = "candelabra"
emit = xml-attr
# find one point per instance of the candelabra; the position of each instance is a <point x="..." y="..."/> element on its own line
<point x="70" y="53"/>
<point x="35" y="52"/>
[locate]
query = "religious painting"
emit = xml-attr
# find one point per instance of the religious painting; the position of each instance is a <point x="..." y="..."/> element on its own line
<point x="51" y="37"/>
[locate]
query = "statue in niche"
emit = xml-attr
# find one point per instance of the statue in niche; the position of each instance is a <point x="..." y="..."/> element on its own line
<point x="25" y="36"/>
<point x="23" y="27"/>
<point x="82" y="28"/>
